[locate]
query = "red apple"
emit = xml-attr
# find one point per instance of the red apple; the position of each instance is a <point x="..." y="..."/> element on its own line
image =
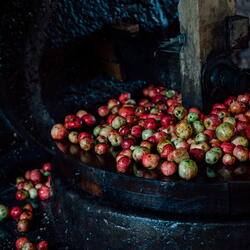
<point x="20" y="185"/>
<point x="81" y="113"/>
<point x="44" y="192"/>
<point x="229" y="100"/>
<point x="126" y="111"/>
<point x="168" y="168"/>
<point x="147" y="144"/>
<point x="195" y="110"/>
<point x="171" y="102"/>
<point x="182" y="145"/>
<point x="167" y="120"/>
<point x="101" y="148"/>
<point x="58" y="132"/>
<point x="21" y="195"/>
<point x="127" y="143"/>
<point x="103" y="111"/>
<point x="15" y="212"/>
<point x="172" y="108"/>
<point x="211" y="122"/>
<point x="42" y="245"/>
<point x="89" y="119"/>
<point x="35" y="176"/>
<point x="86" y="143"/>
<point x="210" y="134"/>
<point x="167" y="149"/>
<point x="215" y="143"/>
<point x="221" y="113"/>
<point x="150" y="161"/>
<point x="23" y="226"/>
<point x="142" y="102"/>
<point x="241" y="117"/>
<point x="136" y="131"/>
<point x="158" y="98"/>
<point x="197" y="154"/>
<point x="150" y="124"/>
<point x="123" y="164"/>
<point x="124" y="97"/>
<point x="47" y="166"/>
<point x="152" y="139"/>
<point x="160" y="136"/>
<point x="26" y="215"/>
<point x="241" y="126"/>
<point x="227" y="147"/>
<point x="178" y="155"/>
<point x="110" y="118"/>
<point x="219" y="106"/>
<point x="241" y="153"/>
<point x="20" y="242"/>
<point x="83" y="135"/>
<point x="131" y="120"/>
<point x="72" y="122"/>
<point x="152" y="92"/>
<point x="228" y="159"/>
<point x="245" y="98"/>
<point x="112" y="103"/>
<point x="237" y="107"/>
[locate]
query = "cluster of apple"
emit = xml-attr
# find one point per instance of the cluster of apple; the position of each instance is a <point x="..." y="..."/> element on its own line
<point x="24" y="216"/>
<point x="24" y="243"/>
<point x="35" y="183"/>
<point x="158" y="132"/>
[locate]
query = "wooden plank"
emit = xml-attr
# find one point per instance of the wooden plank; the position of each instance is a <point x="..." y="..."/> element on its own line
<point x="202" y="22"/>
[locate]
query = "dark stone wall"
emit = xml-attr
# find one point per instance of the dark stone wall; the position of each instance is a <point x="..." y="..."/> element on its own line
<point x="71" y="19"/>
<point x="243" y="7"/>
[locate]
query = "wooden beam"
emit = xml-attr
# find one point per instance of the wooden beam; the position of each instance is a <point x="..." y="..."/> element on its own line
<point x="202" y="22"/>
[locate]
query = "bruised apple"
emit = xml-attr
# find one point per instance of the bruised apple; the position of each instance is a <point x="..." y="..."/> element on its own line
<point x="150" y="161"/>
<point x="225" y="132"/>
<point x="184" y="130"/>
<point x="188" y="169"/>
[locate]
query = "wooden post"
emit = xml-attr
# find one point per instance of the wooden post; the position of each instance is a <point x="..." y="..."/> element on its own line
<point x="202" y="22"/>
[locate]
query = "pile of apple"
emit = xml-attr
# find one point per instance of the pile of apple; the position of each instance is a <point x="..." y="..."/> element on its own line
<point x="24" y="216"/>
<point x="158" y="132"/>
<point x="36" y="183"/>
<point x="24" y="243"/>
